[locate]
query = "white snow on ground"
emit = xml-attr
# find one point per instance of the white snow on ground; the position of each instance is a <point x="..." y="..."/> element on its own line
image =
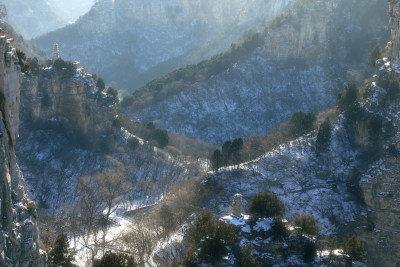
<point x="305" y="183"/>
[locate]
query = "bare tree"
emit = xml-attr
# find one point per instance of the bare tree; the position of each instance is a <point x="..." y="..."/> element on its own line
<point x="90" y="210"/>
<point x="111" y="186"/>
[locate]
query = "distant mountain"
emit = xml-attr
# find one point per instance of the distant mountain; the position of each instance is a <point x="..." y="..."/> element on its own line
<point x="32" y="18"/>
<point x="299" y="62"/>
<point x="131" y="42"/>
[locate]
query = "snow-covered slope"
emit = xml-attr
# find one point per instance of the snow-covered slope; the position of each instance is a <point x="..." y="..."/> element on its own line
<point x="303" y="62"/>
<point x="305" y="182"/>
<point x="132" y="42"/>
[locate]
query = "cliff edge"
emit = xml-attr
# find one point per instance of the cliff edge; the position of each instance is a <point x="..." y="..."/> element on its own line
<point x="19" y="234"/>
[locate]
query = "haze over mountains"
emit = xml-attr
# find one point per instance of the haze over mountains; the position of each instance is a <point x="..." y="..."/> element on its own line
<point x="129" y="43"/>
<point x="278" y="143"/>
<point x="32" y="18"/>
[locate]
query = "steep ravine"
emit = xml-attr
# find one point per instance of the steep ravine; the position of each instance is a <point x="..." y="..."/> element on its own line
<point x="19" y="244"/>
<point x="131" y="42"/>
<point x="305" y="58"/>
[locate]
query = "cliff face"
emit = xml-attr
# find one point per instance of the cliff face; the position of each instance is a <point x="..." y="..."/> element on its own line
<point x="71" y="103"/>
<point x="381" y="184"/>
<point x="19" y="235"/>
<point x="393" y="48"/>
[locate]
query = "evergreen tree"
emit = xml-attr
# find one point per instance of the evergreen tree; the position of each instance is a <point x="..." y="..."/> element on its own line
<point x="346" y="98"/>
<point x="100" y="84"/>
<point x="324" y="136"/>
<point x="111" y="259"/>
<point x="266" y="205"/>
<point x="374" y="56"/>
<point x="60" y="255"/>
<point x="217" y="160"/>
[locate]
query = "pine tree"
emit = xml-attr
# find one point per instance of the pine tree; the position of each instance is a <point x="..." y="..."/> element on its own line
<point x="60" y="256"/>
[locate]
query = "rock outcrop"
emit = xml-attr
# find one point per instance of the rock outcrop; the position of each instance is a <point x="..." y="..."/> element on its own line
<point x="393" y="48"/>
<point x="19" y="234"/>
<point x="70" y="102"/>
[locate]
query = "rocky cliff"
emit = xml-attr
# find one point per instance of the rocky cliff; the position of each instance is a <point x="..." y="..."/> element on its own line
<point x="393" y="47"/>
<point x="70" y="101"/>
<point x="19" y="235"/>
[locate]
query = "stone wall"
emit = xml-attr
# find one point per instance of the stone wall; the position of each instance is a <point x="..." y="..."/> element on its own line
<point x="19" y="234"/>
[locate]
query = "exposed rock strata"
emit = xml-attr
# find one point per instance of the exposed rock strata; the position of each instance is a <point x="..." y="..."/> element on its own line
<point x="19" y="234"/>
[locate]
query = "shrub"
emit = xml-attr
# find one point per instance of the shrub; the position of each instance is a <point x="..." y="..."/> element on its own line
<point x="217" y="160"/>
<point x="246" y="259"/>
<point x="374" y="56"/>
<point x="67" y="68"/>
<point x="133" y="143"/>
<point x="307" y="225"/>
<point x="301" y="123"/>
<point x="210" y="238"/>
<point x="161" y="136"/>
<point x="324" y="136"/>
<point x="111" y="259"/>
<point x="32" y="209"/>
<point x="354" y="248"/>
<point x="309" y="251"/>
<point x="353" y="185"/>
<point x="347" y="97"/>
<point x="278" y="228"/>
<point x="265" y="205"/>
<point x="112" y="93"/>
<point x="100" y="84"/>
<point x="34" y="66"/>
<point x="22" y="61"/>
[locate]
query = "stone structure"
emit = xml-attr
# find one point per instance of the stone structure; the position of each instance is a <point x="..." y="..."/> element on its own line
<point x="56" y="53"/>
<point x="237" y="205"/>
<point x="19" y="234"/>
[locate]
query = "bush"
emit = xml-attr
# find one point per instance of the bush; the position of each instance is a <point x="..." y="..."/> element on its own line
<point x="309" y="251"/>
<point x="353" y="185"/>
<point x="301" y="123"/>
<point x="34" y="66"/>
<point x="354" y="248"/>
<point x="307" y="225"/>
<point x="100" y="84"/>
<point x="32" y="209"/>
<point x="133" y="143"/>
<point x="22" y="61"/>
<point x="278" y="228"/>
<point x="112" y="93"/>
<point x="111" y="259"/>
<point x="324" y="136"/>
<point x="67" y="68"/>
<point x="217" y="160"/>
<point x="347" y="97"/>
<point x="376" y="54"/>
<point x="209" y="238"/>
<point x="265" y="205"/>
<point x="246" y="259"/>
<point x="161" y="136"/>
